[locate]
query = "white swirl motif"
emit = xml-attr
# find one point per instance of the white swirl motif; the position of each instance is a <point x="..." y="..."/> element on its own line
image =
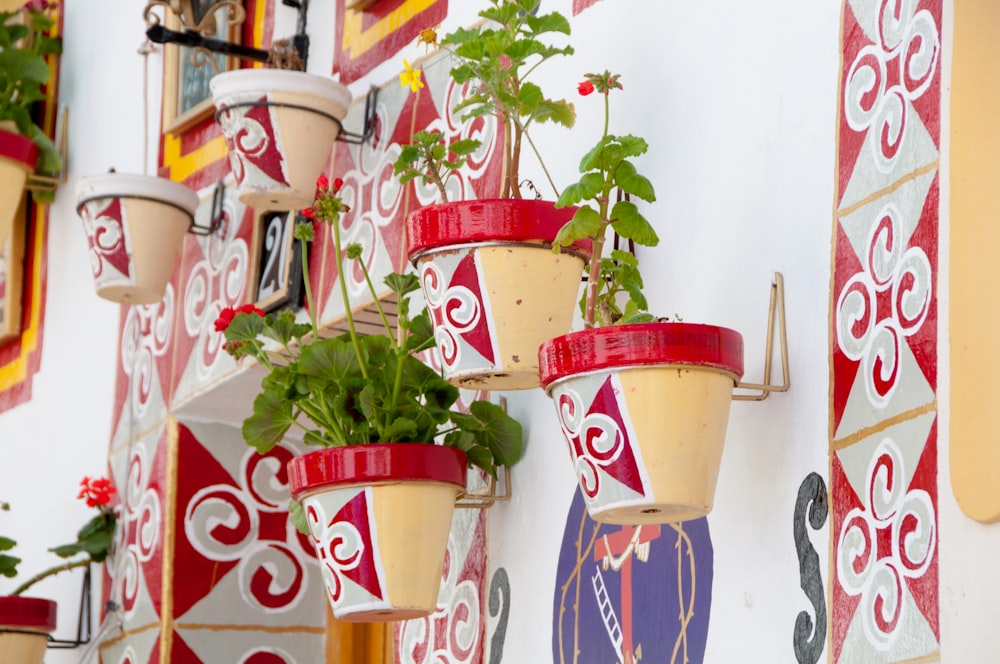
<point x="338" y="544"/>
<point x="146" y="337"/>
<point x="138" y="535"/>
<point x="876" y="574"/>
<point x="887" y="77"/>
<point x="595" y="440"/>
<point x="455" y="310"/>
<point x="902" y="280"/>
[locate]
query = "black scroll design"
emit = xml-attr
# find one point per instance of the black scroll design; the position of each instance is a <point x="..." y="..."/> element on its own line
<point x="499" y="585"/>
<point x="808" y="640"/>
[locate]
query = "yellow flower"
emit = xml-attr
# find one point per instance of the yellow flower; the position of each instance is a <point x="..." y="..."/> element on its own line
<point x="410" y="77"/>
<point x="429" y="37"/>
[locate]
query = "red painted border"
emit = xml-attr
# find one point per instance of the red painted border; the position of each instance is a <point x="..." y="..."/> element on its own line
<point x="29" y="612"/>
<point x="380" y="462"/>
<point x="487" y="220"/>
<point x="18" y="147"/>
<point x="640" y="344"/>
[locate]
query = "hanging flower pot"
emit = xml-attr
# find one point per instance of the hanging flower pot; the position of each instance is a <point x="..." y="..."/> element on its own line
<point x="25" y="625"/>
<point x="494" y="287"/>
<point x="379" y="517"/>
<point x="644" y="409"/>
<point x="17" y="162"/>
<point x="135" y="225"/>
<point x="279" y="126"/>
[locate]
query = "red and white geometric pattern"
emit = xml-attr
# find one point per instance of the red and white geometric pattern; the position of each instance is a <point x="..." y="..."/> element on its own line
<point x="884" y="567"/>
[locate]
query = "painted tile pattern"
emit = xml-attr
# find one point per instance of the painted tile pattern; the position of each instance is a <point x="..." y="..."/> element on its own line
<point x="884" y="576"/>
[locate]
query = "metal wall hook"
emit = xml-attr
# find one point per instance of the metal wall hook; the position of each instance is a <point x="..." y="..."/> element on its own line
<point x="483" y="498"/>
<point x="369" y="126"/>
<point x="83" y="626"/>
<point x="198" y="29"/>
<point x="764" y="389"/>
<point x="217" y="214"/>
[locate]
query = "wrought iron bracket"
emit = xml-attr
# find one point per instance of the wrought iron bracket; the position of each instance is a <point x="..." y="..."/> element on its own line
<point x="83" y="626"/>
<point x="217" y="214"/>
<point x="487" y="496"/>
<point x="369" y="122"/>
<point x="776" y="310"/>
<point x="160" y="34"/>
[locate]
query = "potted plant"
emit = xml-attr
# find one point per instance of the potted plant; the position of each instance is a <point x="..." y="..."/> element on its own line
<point x="481" y="262"/>
<point x="377" y="498"/>
<point x="135" y="226"/>
<point x="279" y="126"/>
<point x="24" y="148"/>
<point x="26" y="622"/>
<point x="643" y="403"/>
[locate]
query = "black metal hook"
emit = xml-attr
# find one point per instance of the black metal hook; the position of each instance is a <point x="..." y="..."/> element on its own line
<point x="83" y="626"/>
<point x="369" y="127"/>
<point x="216" y="215"/>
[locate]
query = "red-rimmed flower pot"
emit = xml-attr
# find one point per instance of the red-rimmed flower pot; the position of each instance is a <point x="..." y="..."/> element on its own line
<point x="25" y="625"/>
<point x="379" y="517"/>
<point x="17" y="162"/>
<point x="644" y="409"/>
<point x="494" y="287"/>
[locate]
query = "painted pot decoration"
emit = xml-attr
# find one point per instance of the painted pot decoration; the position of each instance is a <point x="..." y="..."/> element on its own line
<point x="379" y="517"/>
<point x="494" y="287"/>
<point x="135" y="225"/>
<point x="279" y="126"/>
<point x="17" y="162"/>
<point x="25" y="625"/>
<point x="644" y="410"/>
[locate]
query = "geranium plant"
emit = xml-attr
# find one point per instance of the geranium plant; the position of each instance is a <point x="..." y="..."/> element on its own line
<point x="93" y="541"/>
<point x="496" y="60"/>
<point x="608" y="168"/>
<point x="24" y="46"/>
<point x="354" y="389"/>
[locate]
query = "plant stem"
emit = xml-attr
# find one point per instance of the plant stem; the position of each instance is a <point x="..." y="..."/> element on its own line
<point x="309" y="295"/>
<point x="594" y="275"/>
<point x="378" y="304"/>
<point x="347" y="300"/>
<point x="52" y="571"/>
<point x="541" y="163"/>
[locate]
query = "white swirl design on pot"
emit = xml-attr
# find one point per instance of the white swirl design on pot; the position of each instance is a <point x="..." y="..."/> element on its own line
<point x="339" y="545"/>
<point x="455" y="309"/>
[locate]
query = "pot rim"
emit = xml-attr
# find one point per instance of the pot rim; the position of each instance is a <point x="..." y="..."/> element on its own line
<point x="127" y="185"/>
<point x="28" y="612"/>
<point x="19" y="148"/>
<point x="332" y="467"/>
<point x="640" y="345"/>
<point x="240" y="81"/>
<point x="488" y="220"/>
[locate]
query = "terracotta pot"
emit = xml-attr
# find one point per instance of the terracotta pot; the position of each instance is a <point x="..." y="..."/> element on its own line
<point x="279" y="127"/>
<point x="494" y="287"/>
<point x="135" y="225"/>
<point x="644" y="409"/>
<point x="25" y="625"/>
<point x="379" y="517"/>
<point x="17" y="162"/>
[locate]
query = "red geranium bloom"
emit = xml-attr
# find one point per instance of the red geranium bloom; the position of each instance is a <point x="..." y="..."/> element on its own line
<point x="250" y="308"/>
<point x="322" y="183"/>
<point x="97" y="491"/>
<point x="337" y="184"/>
<point x="225" y="318"/>
<point x="585" y="88"/>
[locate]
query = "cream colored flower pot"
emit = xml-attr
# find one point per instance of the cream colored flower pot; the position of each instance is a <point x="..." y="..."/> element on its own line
<point x="17" y="162"/>
<point x="135" y="226"/>
<point x="644" y="410"/>
<point x="379" y="517"/>
<point x="279" y="127"/>
<point x="25" y="624"/>
<point x="494" y="288"/>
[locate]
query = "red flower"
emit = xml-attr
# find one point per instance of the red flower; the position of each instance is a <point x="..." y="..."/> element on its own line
<point x="309" y="213"/>
<point x="97" y="491"/>
<point x="322" y="183"/>
<point x="337" y="184"/>
<point x="227" y="315"/>
<point x="250" y="308"/>
<point x="585" y="88"/>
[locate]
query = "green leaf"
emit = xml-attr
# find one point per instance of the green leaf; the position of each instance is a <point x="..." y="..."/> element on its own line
<point x="272" y="416"/>
<point x="465" y="146"/>
<point x="586" y="222"/>
<point x="330" y="360"/>
<point x="589" y="186"/>
<point x="502" y="434"/>
<point x="6" y="543"/>
<point x="244" y="327"/>
<point x="548" y="23"/>
<point x="633" y="146"/>
<point x="528" y="98"/>
<point x="297" y="515"/>
<point x="629" y="224"/>
<point x="560" y="112"/>
<point x="401" y="429"/>
<point x="592" y="160"/>
<point x="629" y="180"/>
<point x="420" y="333"/>
<point x="402" y="284"/>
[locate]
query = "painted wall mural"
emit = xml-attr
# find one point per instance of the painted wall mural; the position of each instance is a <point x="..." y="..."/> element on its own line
<point x="884" y="564"/>
<point x="632" y="593"/>
<point x="811" y="511"/>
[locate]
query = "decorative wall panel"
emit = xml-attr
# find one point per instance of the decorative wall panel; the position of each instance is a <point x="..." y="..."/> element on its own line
<point x="883" y="474"/>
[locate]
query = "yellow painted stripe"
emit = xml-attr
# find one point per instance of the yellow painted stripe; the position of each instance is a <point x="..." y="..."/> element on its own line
<point x="359" y="41"/>
<point x="182" y="166"/>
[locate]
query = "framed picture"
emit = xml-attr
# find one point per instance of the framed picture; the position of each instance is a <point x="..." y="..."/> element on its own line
<point x="276" y="266"/>
<point x="187" y="99"/>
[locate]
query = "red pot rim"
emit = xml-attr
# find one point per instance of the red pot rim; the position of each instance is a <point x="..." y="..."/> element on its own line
<point x="487" y="220"/>
<point x="19" y="148"/>
<point x="639" y="345"/>
<point x="378" y="462"/>
<point x="28" y="612"/>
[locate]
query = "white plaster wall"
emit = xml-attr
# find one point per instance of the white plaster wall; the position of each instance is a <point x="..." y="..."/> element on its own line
<point x="49" y="443"/>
